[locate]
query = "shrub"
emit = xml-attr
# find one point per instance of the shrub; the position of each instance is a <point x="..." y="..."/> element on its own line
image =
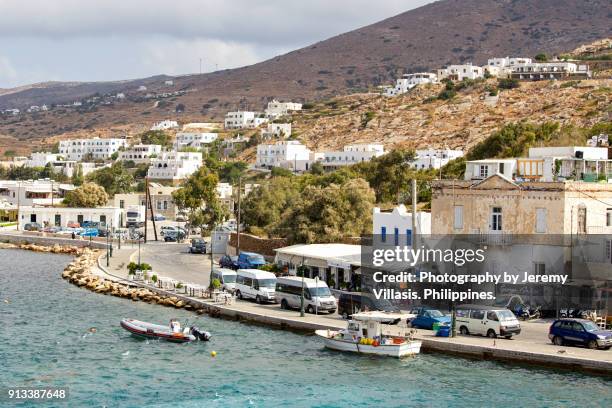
<point x="216" y="284"/>
<point x="508" y="83"/>
<point x="154" y="278"/>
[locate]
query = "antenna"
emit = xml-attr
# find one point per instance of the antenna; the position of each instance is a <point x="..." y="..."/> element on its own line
<point x="200" y="66"/>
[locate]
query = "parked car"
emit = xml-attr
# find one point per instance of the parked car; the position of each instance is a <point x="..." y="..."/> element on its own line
<point x="255" y="284"/>
<point x="174" y="236"/>
<point x="32" y="226"/>
<point x="90" y="224"/>
<point x="355" y="302"/>
<point x="166" y="228"/>
<point x="72" y="224"/>
<point x="198" y="246"/>
<point x="230" y="262"/>
<point x="317" y="296"/>
<point x="52" y="230"/>
<point x="89" y="232"/>
<point x="579" y="331"/>
<point x="490" y="321"/>
<point x="159" y="217"/>
<point x="426" y="317"/>
<point x="227" y="278"/>
<point x="250" y="260"/>
<point x="181" y="218"/>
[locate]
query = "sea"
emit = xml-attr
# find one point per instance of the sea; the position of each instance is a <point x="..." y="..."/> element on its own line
<point x="47" y="341"/>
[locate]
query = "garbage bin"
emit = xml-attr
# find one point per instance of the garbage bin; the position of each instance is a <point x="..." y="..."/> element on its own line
<point x="436" y="326"/>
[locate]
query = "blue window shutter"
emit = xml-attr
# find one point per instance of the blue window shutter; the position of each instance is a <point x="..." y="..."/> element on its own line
<point x="383" y="234"/>
<point x="409" y="237"/>
<point x="396" y="237"/>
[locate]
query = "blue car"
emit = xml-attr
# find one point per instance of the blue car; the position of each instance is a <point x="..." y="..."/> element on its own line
<point x="250" y="260"/>
<point x="426" y="317"/>
<point x="579" y="332"/>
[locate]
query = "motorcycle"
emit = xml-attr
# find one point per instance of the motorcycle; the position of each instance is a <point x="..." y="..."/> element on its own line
<point x="574" y="313"/>
<point x="525" y="312"/>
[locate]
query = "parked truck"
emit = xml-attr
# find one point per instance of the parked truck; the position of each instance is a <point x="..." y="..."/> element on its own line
<point x="135" y="216"/>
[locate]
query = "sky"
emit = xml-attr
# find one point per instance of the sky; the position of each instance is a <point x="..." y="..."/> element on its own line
<point x="96" y="40"/>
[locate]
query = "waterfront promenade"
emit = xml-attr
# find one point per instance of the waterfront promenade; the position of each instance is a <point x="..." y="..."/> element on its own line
<point x="531" y="347"/>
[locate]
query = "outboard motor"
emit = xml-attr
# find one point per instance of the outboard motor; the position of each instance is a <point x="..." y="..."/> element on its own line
<point x="202" y="335"/>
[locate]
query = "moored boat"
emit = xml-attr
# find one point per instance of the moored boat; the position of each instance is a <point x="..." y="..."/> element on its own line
<point x="172" y="332"/>
<point x="374" y="333"/>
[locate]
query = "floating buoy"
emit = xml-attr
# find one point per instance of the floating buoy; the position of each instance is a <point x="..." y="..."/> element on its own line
<point x="7" y="301"/>
<point x="213" y="353"/>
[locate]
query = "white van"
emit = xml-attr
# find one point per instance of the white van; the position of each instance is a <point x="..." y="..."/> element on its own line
<point x="490" y="321"/>
<point x="255" y="284"/>
<point x="317" y="296"/>
<point x="227" y="277"/>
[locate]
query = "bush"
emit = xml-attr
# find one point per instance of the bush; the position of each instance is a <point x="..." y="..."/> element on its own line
<point x="508" y="83"/>
<point x="216" y="284"/>
<point x="133" y="267"/>
<point x="154" y="278"/>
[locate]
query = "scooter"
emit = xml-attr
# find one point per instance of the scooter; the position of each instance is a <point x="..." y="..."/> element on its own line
<point x="524" y="312"/>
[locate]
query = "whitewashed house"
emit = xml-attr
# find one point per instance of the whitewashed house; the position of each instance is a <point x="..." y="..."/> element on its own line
<point x="461" y="72"/>
<point x="195" y="139"/>
<point x="550" y="70"/>
<point x="482" y="169"/>
<point x="41" y="159"/>
<point x="275" y="130"/>
<point x="276" y="108"/>
<point x="350" y="154"/>
<point x="42" y="192"/>
<point x="409" y="81"/>
<point x="68" y="167"/>
<point x="96" y="148"/>
<point x="174" y="166"/>
<point x="140" y="153"/>
<point x="435" y="158"/>
<point x="239" y="119"/>
<point x="165" y="125"/>
<point x="64" y="216"/>
<point x="394" y="228"/>
<point x="289" y="154"/>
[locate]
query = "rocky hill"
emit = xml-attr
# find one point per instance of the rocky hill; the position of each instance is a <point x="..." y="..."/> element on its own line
<point x="446" y="31"/>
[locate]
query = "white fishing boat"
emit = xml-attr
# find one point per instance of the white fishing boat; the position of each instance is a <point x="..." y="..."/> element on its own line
<point x="382" y="333"/>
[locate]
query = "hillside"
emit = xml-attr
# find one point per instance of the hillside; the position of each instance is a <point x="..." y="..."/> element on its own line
<point x="413" y="121"/>
<point x="425" y="38"/>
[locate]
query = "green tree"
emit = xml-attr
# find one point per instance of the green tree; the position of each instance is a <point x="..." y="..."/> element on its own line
<point x="115" y="179"/>
<point x="158" y="137"/>
<point x="329" y="214"/>
<point x="280" y="172"/>
<point x="77" y="175"/>
<point x="317" y="168"/>
<point x="89" y="195"/>
<point x="10" y="153"/>
<point x="389" y="175"/>
<point x="229" y="172"/>
<point x="508" y="83"/>
<point x="198" y="197"/>
<point x="114" y="156"/>
<point x="541" y="57"/>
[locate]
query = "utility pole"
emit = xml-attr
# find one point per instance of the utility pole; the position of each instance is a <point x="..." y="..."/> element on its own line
<point x="414" y="213"/>
<point x="238" y="217"/>
<point x="146" y="215"/>
<point x="302" y="297"/>
<point x="148" y="193"/>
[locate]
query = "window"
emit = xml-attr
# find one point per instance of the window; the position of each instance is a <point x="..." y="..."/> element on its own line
<point x="484" y="171"/>
<point x="582" y="220"/>
<point x="540" y="220"/>
<point x="458" y="220"/>
<point x="501" y="168"/>
<point x="477" y="314"/>
<point x="539" y="269"/>
<point x="159" y="205"/>
<point x="496" y="219"/>
<point x="609" y="217"/>
<point x="492" y="316"/>
<point x="383" y="234"/>
<point x="409" y="237"/>
<point x="396" y="237"/>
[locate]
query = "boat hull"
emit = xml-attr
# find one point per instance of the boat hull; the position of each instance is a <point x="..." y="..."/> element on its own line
<point x="408" y="348"/>
<point x="154" y="331"/>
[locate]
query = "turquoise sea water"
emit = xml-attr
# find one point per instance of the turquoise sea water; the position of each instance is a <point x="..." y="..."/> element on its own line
<point x="44" y="341"/>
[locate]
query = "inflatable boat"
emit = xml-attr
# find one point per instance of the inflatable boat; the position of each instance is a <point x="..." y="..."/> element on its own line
<point x="172" y="332"/>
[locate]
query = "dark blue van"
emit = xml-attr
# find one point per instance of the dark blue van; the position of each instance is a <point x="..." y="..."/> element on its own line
<point x="250" y="260"/>
<point x="579" y="331"/>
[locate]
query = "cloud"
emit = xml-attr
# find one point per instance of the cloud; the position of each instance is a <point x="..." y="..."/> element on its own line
<point x="119" y="39"/>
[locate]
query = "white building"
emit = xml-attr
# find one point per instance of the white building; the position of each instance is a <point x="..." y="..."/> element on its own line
<point x="174" y="166"/>
<point x="290" y="154"/>
<point x="68" y="167"/>
<point x="394" y="228"/>
<point x="550" y="70"/>
<point x="239" y="119"/>
<point x="140" y="153"/>
<point x="96" y="148"/>
<point x="409" y="81"/>
<point x="142" y="88"/>
<point x="64" y="216"/>
<point x="350" y="154"/>
<point x="33" y="192"/>
<point x="435" y="158"/>
<point x="461" y="72"/>
<point x="224" y="190"/>
<point x="508" y="62"/>
<point x="275" y="130"/>
<point x="41" y="159"/>
<point x="194" y="139"/>
<point x="165" y="125"/>
<point x="276" y="108"/>
<point x="482" y="169"/>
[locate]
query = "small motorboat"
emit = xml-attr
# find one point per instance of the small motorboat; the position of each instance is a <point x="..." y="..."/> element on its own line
<point x="374" y="333"/>
<point x="172" y="332"/>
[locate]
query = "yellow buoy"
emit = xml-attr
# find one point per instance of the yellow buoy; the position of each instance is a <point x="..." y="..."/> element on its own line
<point x="213" y="353"/>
